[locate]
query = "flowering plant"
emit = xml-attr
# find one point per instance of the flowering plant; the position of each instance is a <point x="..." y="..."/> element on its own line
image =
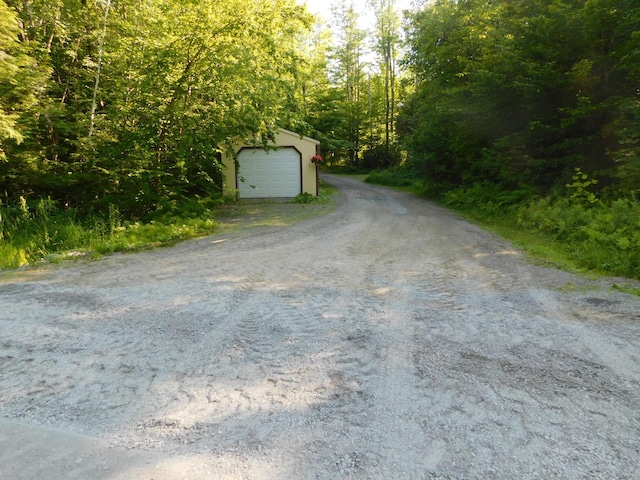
<point x="317" y="159"/>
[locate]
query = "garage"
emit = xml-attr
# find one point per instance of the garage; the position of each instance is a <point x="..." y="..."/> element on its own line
<point x="269" y="174"/>
<point x="282" y="167"/>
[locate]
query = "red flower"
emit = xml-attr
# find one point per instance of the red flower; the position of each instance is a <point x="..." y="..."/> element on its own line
<point x="316" y="159"/>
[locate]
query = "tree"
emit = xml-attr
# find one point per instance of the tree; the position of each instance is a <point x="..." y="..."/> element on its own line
<point x="519" y="93"/>
<point x="22" y="81"/>
<point x="321" y="98"/>
<point x="9" y="69"/>
<point x="348" y="75"/>
<point x="143" y="95"/>
<point x="386" y="40"/>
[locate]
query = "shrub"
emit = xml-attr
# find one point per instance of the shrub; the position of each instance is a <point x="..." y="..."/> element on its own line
<point x="381" y="157"/>
<point x="305" y="198"/>
<point x="396" y="177"/>
<point x="603" y="237"/>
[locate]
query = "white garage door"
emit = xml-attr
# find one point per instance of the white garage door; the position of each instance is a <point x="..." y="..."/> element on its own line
<point x="269" y="174"/>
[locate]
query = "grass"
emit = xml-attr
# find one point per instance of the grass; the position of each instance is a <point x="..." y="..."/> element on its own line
<point x="626" y="289"/>
<point x="42" y="232"/>
<point x="274" y="213"/>
<point x="574" y="253"/>
<point x="578" y="233"/>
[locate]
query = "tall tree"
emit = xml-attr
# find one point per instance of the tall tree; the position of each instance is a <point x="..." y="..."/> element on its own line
<point x="386" y="40"/>
<point x="22" y="80"/>
<point x="348" y="75"/>
<point x="523" y="92"/>
<point x="143" y="95"/>
<point x="318" y="95"/>
<point x="9" y="68"/>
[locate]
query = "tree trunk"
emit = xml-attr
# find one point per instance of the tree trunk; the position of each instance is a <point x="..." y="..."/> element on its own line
<point x="94" y="101"/>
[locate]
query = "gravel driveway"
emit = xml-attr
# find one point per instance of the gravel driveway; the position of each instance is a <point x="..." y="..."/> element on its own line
<point x="388" y="339"/>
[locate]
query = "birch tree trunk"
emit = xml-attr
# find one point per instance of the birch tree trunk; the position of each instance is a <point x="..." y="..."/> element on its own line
<point x="94" y="101"/>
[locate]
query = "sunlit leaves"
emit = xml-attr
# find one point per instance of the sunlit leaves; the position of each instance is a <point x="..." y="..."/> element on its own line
<point x="514" y="92"/>
<point x="178" y="79"/>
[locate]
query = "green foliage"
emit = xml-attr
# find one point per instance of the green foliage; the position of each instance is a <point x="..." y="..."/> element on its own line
<point x="305" y="198"/>
<point x="30" y="232"/>
<point x="349" y="101"/>
<point x="515" y="100"/>
<point x="137" y="236"/>
<point x="487" y="198"/>
<point x="602" y="238"/>
<point x="142" y="97"/>
<point x="323" y="197"/>
<point x="43" y="230"/>
<point x="382" y="156"/>
<point x="21" y="82"/>
<point x="575" y="229"/>
<point x="355" y="114"/>
<point x="580" y="190"/>
<point x="626" y="288"/>
<point x="523" y="92"/>
<point x="396" y="177"/>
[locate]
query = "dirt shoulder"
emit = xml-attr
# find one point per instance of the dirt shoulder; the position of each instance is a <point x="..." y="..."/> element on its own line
<point x="385" y="339"/>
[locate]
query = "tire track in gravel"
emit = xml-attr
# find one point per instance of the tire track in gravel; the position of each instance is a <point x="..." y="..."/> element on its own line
<point x="389" y="339"/>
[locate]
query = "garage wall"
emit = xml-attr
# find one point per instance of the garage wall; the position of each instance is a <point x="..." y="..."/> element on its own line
<point x="284" y="139"/>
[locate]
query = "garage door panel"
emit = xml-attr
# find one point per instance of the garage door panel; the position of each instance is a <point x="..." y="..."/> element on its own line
<point x="273" y="174"/>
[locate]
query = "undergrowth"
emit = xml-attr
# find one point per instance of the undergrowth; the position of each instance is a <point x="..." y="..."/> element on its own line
<point x="42" y="229"/>
<point x="396" y="176"/>
<point x="578" y="230"/>
<point x="603" y="237"/>
<point x="324" y="195"/>
<point x="30" y="232"/>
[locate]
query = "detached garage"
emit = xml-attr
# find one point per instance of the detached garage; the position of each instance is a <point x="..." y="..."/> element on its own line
<point x="282" y="171"/>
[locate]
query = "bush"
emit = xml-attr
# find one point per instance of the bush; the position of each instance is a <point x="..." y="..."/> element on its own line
<point x="305" y="198"/>
<point x="382" y="157"/>
<point x="603" y="237"/>
<point x="487" y="200"/>
<point x="31" y="231"/>
<point x="395" y="177"/>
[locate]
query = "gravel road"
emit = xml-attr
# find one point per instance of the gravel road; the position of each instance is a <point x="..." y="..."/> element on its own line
<point x="388" y="339"/>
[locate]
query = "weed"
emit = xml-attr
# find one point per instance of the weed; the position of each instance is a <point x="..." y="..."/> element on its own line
<point x="626" y="289"/>
<point x="305" y="198"/>
<point x="579" y="190"/>
<point x="32" y="231"/>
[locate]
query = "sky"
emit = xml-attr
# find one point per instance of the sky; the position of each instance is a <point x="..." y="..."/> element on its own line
<point x="323" y="8"/>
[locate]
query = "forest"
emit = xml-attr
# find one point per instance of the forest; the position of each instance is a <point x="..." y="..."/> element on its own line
<point x="521" y="112"/>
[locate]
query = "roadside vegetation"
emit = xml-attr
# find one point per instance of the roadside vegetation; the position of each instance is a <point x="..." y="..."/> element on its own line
<point x="525" y="118"/>
<point x="581" y="234"/>
<point x="576" y="230"/>
<point x="45" y="232"/>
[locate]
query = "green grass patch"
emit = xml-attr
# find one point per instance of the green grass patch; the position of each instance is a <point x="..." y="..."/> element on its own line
<point x="32" y="232"/>
<point x="626" y="289"/>
<point x="578" y="232"/>
<point x="42" y="231"/>
<point x="137" y="236"/>
<point x="270" y="213"/>
<point x="575" y="234"/>
<point x="571" y="287"/>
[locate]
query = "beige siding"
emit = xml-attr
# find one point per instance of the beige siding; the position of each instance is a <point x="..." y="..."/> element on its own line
<point x="284" y="138"/>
